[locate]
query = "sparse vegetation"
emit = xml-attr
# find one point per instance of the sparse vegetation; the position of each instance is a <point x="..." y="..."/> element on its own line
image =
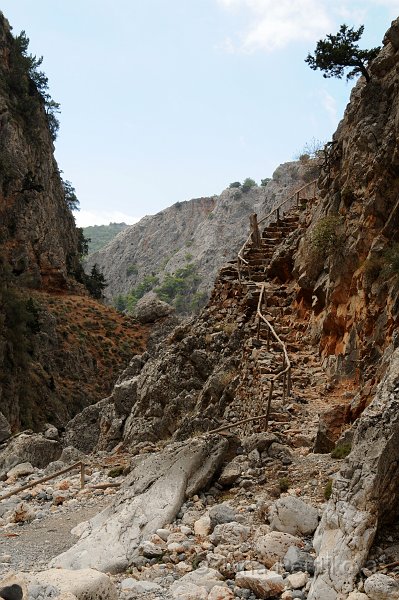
<point x="326" y="237"/>
<point x="100" y="235"/>
<point x="328" y="489"/>
<point x="284" y="484"/>
<point x="235" y="185"/>
<point x="248" y="184"/>
<point x="341" y="451"/>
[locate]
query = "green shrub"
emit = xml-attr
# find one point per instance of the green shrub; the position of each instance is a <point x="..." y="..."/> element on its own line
<point x="328" y="489"/>
<point x="326" y="237"/>
<point x="284" y="484"/>
<point x="341" y="451"/>
<point x="264" y="182"/>
<point x="248" y="184"/>
<point x="235" y="184"/>
<point x="132" y="270"/>
<point x="116" y="471"/>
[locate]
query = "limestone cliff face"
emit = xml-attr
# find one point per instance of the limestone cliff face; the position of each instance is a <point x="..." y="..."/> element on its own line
<point x="51" y="365"/>
<point x="205" y="232"/>
<point x="344" y="264"/>
<point x="37" y="231"/>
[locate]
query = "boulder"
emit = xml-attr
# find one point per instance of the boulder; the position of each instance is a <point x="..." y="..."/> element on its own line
<point x="222" y="513"/>
<point x="151" y="308"/>
<point x="34" y="448"/>
<point x="292" y="515"/>
<point x="298" y="560"/>
<point x="364" y="494"/>
<point x="381" y="587"/>
<point x="331" y="423"/>
<point x="150" y="497"/>
<point x="272" y="548"/>
<point x="21" y="470"/>
<point x="220" y="593"/>
<point x="202" y="526"/>
<point x="85" y="584"/>
<point x="264" y="584"/>
<point x="231" y="472"/>
<point x="230" y="533"/>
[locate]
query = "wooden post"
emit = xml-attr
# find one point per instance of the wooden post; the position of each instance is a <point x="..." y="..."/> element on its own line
<point x="258" y="330"/>
<point x="255" y="233"/>
<point x="289" y="383"/>
<point x="82" y="475"/>
<point x="278" y="216"/>
<point x="297" y="199"/>
<point x="269" y="403"/>
<point x="268" y="339"/>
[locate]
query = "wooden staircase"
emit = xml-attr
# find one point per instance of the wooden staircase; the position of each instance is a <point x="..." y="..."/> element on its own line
<point x="277" y="365"/>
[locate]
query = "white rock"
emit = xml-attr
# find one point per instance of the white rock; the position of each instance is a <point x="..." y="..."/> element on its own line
<point x="220" y="593"/>
<point x="263" y="584"/>
<point x="230" y="533"/>
<point x="357" y="596"/>
<point x="298" y="580"/>
<point x="381" y="587"/>
<point x="272" y="547"/>
<point x="85" y="584"/>
<point x="188" y="591"/>
<point x="203" y="578"/>
<point x="21" y="470"/>
<point x="293" y="515"/>
<point x="151" y="550"/>
<point x="202" y="527"/>
<point x="163" y="534"/>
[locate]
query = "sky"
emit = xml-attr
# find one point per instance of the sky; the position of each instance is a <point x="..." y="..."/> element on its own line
<point x="167" y="100"/>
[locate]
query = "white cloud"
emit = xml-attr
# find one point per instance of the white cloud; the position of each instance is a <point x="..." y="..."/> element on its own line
<point x="330" y="106"/>
<point x="274" y="24"/>
<point x="84" y="218"/>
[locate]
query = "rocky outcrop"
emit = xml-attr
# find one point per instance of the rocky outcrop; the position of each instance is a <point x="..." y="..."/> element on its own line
<point x="364" y="494"/>
<point x="204" y="232"/>
<point x="150" y="498"/>
<point x="344" y="265"/>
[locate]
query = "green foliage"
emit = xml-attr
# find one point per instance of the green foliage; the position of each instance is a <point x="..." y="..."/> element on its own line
<point x="28" y="86"/>
<point x="328" y="489"/>
<point x="235" y="185"/>
<point x="99" y="235"/>
<point x="179" y="289"/>
<point x="248" y="184"/>
<point x="95" y="283"/>
<point x="284" y="484"/>
<point x="83" y="242"/>
<point x="116" y="471"/>
<point x="326" y="237"/>
<point x="264" y="182"/>
<point x="71" y="200"/>
<point x="339" y="52"/>
<point x="132" y="270"/>
<point x="341" y="451"/>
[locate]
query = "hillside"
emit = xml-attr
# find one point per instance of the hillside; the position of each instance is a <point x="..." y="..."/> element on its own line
<point x="189" y="240"/>
<point x="98" y="236"/>
<point x="57" y="349"/>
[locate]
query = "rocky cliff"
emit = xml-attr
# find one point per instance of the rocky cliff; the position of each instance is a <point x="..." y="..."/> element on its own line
<point x="203" y="233"/>
<point x="50" y="362"/>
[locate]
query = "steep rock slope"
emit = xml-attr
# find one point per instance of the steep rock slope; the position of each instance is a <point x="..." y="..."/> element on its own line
<point x="204" y="232"/>
<point x="50" y="362"/>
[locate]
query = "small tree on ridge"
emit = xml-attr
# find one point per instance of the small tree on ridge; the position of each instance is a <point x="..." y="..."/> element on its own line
<point x="338" y="52"/>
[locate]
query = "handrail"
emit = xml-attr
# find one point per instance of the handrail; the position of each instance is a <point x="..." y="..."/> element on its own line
<point x="294" y="196"/>
<point x="48" y="477"/>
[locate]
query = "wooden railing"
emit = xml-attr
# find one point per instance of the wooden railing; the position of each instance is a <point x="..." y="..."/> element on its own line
<point x="31" y="484"/>
<point x="294" y="198"/>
